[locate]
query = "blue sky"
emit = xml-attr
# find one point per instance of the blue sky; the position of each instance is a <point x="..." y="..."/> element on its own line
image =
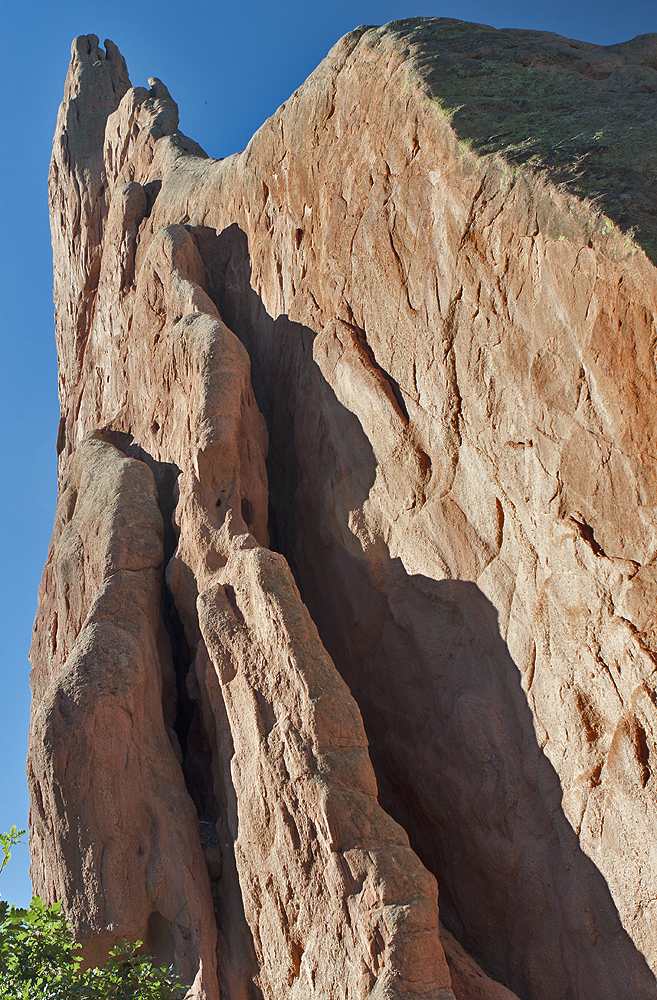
<point x="229" y="66"/>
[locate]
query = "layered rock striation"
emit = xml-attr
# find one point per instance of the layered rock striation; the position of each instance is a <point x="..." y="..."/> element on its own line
<point x="357" y="506"/>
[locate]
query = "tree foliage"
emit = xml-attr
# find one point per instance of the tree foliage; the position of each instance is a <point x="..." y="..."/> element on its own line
<point x="40" y="960"/>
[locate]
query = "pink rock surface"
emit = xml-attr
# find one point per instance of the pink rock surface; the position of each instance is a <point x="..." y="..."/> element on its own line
<point x="397" y="402"/>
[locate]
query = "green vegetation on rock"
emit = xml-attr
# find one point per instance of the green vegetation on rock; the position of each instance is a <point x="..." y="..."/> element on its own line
<point x="585" y="115"/>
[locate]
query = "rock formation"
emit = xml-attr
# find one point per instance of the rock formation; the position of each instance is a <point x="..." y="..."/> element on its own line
<point x="358" y="504"/>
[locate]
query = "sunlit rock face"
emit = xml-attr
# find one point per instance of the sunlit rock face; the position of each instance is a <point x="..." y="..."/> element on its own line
<point x="357" y="512"/>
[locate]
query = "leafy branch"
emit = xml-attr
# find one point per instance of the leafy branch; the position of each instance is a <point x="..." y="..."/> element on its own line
<point x="7" y="841"/>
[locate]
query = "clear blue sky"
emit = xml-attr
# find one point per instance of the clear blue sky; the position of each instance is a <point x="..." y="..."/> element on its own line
<point x="229" y="66"/>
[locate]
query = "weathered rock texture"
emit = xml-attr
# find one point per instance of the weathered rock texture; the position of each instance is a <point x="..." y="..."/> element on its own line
<point x="379" y="403"/>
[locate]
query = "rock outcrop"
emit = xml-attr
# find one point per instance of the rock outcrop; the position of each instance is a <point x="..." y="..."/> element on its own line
<point x="358" y="504"/>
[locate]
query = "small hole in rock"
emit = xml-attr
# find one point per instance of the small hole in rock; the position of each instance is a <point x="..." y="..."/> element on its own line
<point x="247" y="511"/>
<point x="159" y="939"/>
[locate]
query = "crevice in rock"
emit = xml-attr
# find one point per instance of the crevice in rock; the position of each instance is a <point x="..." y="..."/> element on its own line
<point x="643" y="754"/>
<point x="387" y="378"/>
<point x="228" y="268"/>
<point x="61" y="435"/>
<point x="585" y="531"/>
<point x="188" y="724"/>
<point x="159" y="940"/>
<point x="152" y="189"/>
<point x="182" y="713"/>
<point x="232" y="600"/>
<point x="283" y="484"/>
<point x="204" y="757"/>
<point x="236" y="958"/>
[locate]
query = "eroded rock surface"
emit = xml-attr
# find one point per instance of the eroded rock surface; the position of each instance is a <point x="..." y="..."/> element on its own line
<point x="113" y="830"/>
<point x="397" y="399"/>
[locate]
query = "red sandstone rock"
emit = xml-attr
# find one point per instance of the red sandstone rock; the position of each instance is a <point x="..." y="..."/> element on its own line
<point x="448" y="366"/>
<point x="113" y="831"/>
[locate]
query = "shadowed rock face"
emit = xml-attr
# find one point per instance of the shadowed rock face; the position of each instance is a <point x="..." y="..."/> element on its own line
<point x="356" y="421"/>
<point x="583" y="113"/>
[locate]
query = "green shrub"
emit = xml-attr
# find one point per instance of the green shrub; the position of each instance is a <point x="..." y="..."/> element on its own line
<point x="39" y="958"/>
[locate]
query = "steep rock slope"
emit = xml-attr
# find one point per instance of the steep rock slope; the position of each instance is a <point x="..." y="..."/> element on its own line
<point x="455" y="362"/>
<point x="315" y="889"/>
